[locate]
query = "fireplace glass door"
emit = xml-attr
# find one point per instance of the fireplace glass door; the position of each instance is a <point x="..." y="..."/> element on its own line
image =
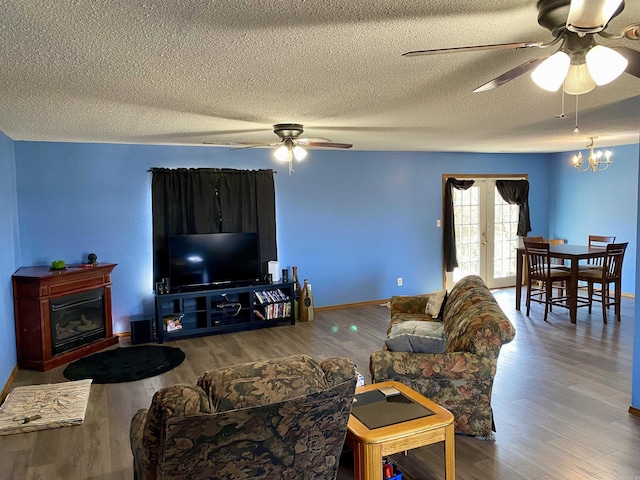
<point x="77" y="320"/>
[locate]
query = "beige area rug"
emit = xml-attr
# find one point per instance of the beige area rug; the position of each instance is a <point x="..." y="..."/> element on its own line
<point x="39" y="407"/>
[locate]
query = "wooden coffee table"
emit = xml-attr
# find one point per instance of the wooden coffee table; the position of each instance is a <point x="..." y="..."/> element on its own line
<point x="370" y="445"/>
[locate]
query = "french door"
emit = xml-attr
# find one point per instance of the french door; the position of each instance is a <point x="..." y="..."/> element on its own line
<point x="486" y="234"/>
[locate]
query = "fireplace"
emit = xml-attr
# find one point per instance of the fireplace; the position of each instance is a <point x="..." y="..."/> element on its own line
<point x="61" y="315"/>
<point x="76" y="320"/>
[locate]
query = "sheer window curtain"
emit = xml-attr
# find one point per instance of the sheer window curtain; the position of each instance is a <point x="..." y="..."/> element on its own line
<point x="211" y="200"/>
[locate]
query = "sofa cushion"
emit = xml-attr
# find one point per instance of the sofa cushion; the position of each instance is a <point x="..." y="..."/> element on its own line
<point x="417" y="336"/>
<point x="260" y="383"/>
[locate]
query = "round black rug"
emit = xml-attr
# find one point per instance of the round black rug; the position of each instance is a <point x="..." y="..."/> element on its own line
<point x="125" y="364"/>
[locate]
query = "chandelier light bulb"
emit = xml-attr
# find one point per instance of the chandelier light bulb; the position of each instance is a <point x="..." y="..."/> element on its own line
<point x="550" y="74"/>
<point x="577" y="159"/>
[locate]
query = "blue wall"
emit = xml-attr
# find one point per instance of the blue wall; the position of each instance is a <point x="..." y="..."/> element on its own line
<point x="352" y="221"/>
<point x="597" y="203"/>
<point x="635" y="378"/>
<point x="9" y="256"/>
<point x="601" y="203"/>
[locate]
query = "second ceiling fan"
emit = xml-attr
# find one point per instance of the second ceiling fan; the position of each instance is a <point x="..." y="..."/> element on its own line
<point x="578" y="63"/>
<point x="291" y="146"/>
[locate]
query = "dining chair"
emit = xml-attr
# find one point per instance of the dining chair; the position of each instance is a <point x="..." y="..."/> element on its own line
<point x="541" y="277"/>
<point x="609" y="273"/>
<point x="558" y="262"/>
<point x="535" y="238"/>
<point x="597" y="241"/>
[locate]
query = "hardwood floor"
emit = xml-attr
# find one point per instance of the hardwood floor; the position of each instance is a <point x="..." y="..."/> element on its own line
<point x="561" y="399"/>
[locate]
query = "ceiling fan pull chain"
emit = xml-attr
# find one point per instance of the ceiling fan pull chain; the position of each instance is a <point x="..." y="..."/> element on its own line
<point x="575" y="130"/>
<point x="562" y="114"/>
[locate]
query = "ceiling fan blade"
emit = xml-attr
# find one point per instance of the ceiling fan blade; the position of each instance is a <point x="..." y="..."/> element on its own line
<point x="592" y="16"/>
<point x="220" y="144"/>
<point x="328" y="144"/>
<point x="254" y="145"/>
<point x="510" y="75"/>
<point x="631" y="32"/>
<point x="633" y="57"/>
<point x="313" y="139"/>
<point x="497" y="46"/>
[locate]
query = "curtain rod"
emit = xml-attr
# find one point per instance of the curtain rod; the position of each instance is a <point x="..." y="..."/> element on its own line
<point x="163" y="168"/>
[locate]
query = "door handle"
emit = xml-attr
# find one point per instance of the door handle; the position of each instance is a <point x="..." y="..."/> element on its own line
<point x="484" y="238"/>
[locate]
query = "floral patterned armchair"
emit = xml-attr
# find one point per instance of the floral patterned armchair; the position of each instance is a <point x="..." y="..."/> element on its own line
<point x="461" y="378"/>
<point x="284" y="418"/>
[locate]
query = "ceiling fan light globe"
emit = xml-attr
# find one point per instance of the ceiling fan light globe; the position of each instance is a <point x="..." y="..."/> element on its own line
<point x="605" y="64"/>
<point x="299" y="153"/>
<point x="591" y="16"/>
<point x="550" y="74"/>
<point x="283" y="154"/>
<point x="578" y="80"/>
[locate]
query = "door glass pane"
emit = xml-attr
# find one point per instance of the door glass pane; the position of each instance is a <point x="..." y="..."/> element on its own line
<point x="467" y="214"/>
<point x="505" y="239"/>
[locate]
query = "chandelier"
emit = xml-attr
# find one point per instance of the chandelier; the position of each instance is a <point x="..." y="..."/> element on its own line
<point x="594" y="162"/>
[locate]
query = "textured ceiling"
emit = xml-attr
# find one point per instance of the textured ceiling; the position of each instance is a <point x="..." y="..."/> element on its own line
<point x="189" y="72"/>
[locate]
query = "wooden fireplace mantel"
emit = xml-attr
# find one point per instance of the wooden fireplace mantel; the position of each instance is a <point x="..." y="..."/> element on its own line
<point x="33" y="290"/>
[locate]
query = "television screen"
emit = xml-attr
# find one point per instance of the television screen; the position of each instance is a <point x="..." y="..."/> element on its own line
<point x="214" y="258"/>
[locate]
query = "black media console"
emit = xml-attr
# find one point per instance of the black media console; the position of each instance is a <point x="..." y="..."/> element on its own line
<point x="222" y="310"/>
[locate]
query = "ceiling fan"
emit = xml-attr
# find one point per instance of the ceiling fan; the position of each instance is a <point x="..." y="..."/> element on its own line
<point x="580" y="63"/>
<point x="291" y="145"/>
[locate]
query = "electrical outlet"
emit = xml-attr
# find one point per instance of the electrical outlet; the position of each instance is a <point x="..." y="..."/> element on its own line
<point x="399" y="281"/>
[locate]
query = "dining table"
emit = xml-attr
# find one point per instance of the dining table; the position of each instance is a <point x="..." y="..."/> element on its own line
<point x="574" y="254"/>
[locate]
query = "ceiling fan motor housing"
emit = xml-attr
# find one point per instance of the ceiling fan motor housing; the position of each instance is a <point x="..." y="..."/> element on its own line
<point x="576" y="46"/>
<point x="288" y="130"/>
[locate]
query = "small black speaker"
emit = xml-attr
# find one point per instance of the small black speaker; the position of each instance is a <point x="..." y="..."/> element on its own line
<point x="141" y="331"/>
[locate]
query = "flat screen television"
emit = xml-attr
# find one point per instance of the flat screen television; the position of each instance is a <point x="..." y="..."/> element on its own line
<point x="207" y="260"/>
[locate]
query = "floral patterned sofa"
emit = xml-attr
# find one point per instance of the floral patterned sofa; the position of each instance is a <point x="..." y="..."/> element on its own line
<point x="284" y="418"/>
<point x="461" y="378"/>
